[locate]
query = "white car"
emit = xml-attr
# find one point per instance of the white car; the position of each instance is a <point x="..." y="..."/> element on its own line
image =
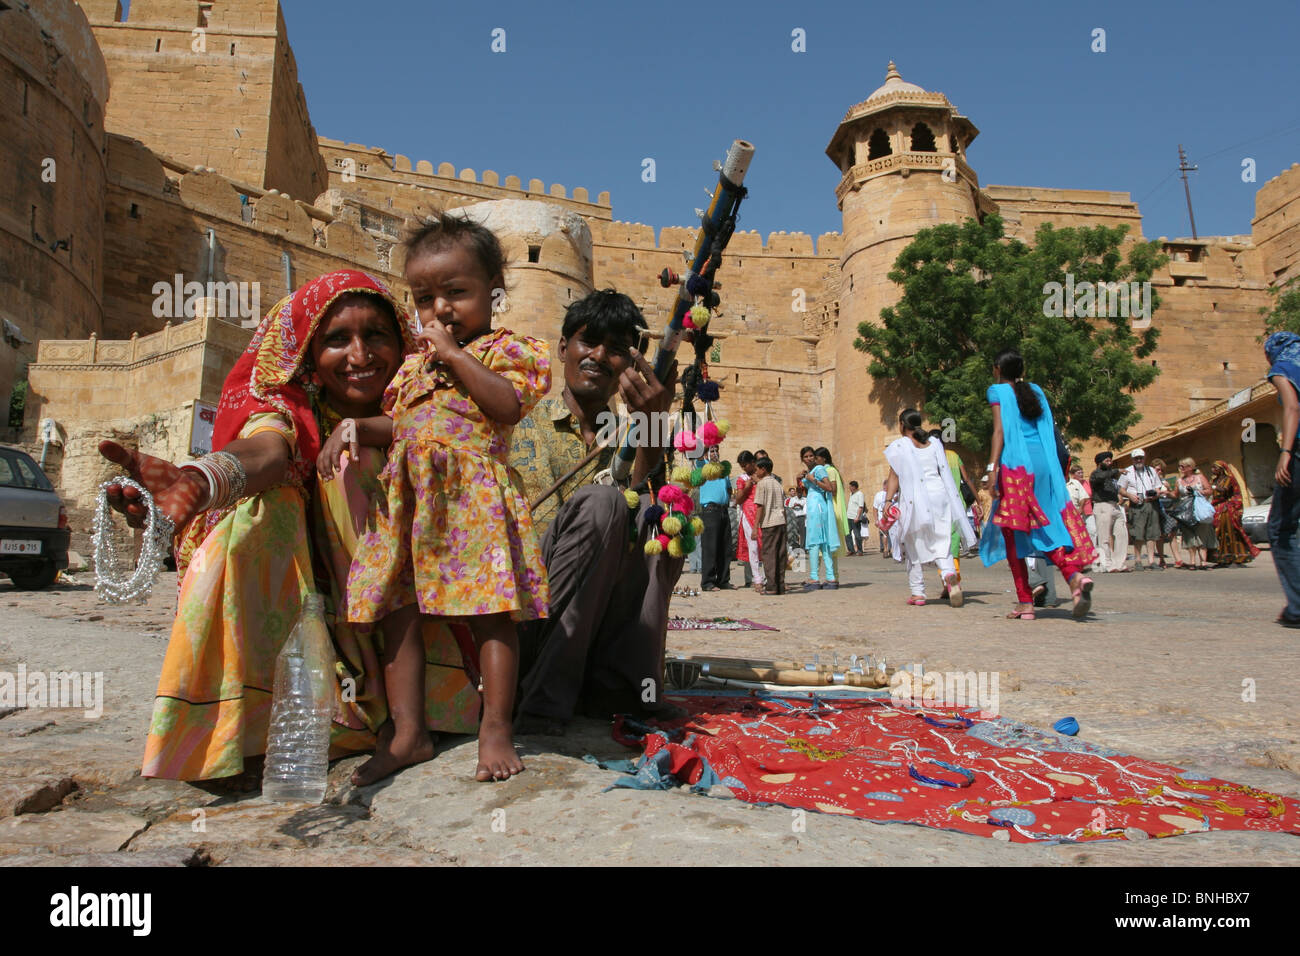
<point x="1254" y="521"/>
<point x="33" y="523"/>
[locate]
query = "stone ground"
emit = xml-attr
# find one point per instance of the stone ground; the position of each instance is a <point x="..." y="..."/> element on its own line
<point x="1157" y="671"/>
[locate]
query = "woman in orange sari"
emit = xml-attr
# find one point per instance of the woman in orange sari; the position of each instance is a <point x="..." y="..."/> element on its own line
<point x="248" y="557"/>
<point x="1234" y="546"/>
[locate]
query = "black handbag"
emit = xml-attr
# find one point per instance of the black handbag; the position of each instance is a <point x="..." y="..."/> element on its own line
<point x="1184" y="511"/>
<point x="967" y="495"/>
<point x="1168" y="523"/>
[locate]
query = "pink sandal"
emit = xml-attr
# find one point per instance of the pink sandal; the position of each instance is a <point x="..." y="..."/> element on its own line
<point x="1022" y="615"/>
<point x="916" y="601"/>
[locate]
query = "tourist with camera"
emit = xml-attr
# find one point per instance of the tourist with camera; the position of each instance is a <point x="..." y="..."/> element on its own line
<point x="1141" y="486"/>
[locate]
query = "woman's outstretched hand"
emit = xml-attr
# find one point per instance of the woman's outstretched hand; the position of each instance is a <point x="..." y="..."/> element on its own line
<point x="176" y="493"/>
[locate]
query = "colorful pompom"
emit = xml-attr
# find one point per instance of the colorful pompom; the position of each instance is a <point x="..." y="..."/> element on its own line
<point x="726" y="469"/>
<point x="632" y="498"/>
<point x="675" y="549"/>
<point x="653" y="546"/>
<point x="709" y="434"/>
<point x="684" y="441"/>
<point x="707" y="391"/>
<point x="699" y="316"/>
<point x="712" y="471"/>
<point x="670" y="495"/>
<point x="663" y="540"/>
<point x="688" y="545"/>
<point x="697" y="526"/>
<point x="697" y="477"/>
<point x="724" y="426"/>
<point x="653" y="515"/>
<point x="686" y="505"/>
<point x="681" y="474"/>
<point x="687" y="321"/>
<point x="672" y="525"/>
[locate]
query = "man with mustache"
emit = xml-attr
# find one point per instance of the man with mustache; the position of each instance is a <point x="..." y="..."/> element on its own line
<point x="600" y="650"/>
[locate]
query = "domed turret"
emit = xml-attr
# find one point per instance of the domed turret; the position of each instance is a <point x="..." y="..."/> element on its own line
<point x="901" y="153"/>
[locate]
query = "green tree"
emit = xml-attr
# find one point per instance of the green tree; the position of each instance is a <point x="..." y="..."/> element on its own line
<point x="969" y="292"/>
<point x="1285" y="314"/>
<point x="17" y="404"/>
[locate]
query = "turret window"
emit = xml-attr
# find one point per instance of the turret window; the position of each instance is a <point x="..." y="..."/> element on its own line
<point x="923" y="139"/>
<point x="878" y="145"/>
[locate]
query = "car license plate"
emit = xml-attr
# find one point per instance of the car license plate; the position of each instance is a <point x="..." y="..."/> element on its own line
<point x="20" y="547"/>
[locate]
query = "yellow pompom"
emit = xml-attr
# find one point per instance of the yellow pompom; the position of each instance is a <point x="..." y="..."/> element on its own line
<point x="671" y="525"/>
<point x="632" y="498"/>
<point x="675" y="549"/>
<point x="681" y="475"/>
<point x="724" y="426"/>
<point x="697" y="525"/>
<point x="712" y="471"/>
<point x="700" y="316"/>
<point x="653" y="546"/>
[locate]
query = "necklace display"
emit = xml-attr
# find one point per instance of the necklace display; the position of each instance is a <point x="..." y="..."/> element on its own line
<point x="111" y="581"/>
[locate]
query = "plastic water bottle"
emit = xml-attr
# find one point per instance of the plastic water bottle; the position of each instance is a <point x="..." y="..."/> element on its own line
<point x="297" y="747"/>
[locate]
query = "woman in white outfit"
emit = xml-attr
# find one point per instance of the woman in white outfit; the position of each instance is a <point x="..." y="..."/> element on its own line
<point x="928" y="505"/>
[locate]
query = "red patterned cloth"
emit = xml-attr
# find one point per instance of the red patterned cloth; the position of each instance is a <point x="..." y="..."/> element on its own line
<point x="1019" y="509"/>
<point x="1084" y="553"/>
<point x="893" y="761"/>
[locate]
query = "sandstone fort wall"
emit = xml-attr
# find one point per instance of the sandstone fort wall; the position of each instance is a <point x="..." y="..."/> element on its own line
<point x="53" y="84"/>
<point x="226" y="96"/>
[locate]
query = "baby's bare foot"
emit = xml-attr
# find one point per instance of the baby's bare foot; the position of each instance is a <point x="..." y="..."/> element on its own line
<point x="392" y="753"/>
<point x="497" y="759"/>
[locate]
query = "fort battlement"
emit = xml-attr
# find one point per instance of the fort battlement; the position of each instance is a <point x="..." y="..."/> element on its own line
<point x="369" y="169"/>
<point x="781" y="244"/>
<point x="167" y="218"/>
<point x="204" y="190"/>
<point x="1277" y="209"/>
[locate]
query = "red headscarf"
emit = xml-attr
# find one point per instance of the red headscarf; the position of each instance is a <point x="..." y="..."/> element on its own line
<point x="269" y="376"/>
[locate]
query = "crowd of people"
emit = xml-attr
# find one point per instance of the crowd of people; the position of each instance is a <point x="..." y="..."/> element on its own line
<point x="1109" y="521"/>
<point x="1140" y="511"/>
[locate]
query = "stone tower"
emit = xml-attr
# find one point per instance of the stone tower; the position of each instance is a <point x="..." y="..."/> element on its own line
<point x="902" y="158"/>
<point x="211" y="84"/>
<point x="53" y="93"/>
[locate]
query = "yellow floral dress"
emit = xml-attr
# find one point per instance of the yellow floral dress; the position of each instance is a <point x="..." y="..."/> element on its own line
<point x="453" y="533"/>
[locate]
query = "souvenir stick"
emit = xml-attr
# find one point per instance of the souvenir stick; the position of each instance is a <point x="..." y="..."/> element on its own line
<point x="716" y="226"/>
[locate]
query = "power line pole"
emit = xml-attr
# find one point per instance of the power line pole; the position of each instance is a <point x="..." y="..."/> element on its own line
<point x="1184" y="169"/>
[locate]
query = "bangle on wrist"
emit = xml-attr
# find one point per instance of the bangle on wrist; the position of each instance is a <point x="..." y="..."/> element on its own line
<point x="225" y="477"/>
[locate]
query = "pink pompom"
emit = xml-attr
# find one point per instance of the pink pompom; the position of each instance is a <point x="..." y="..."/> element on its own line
<point x="670" y="495"/>
<point x="709" y="434"/>
<point x="664" y="540"/>
<point x="687" y="323"/>
<point x="686" y="505"/>
<point x="685" y="441"/>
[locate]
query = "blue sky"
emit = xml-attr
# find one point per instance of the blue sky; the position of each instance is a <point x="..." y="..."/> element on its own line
<point x="585" y="91"/>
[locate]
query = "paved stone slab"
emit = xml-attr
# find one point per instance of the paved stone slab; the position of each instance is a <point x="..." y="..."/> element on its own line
<point x="69" y="831"/>
<point x="34" y="794"/>
<point x="179" y="856"/>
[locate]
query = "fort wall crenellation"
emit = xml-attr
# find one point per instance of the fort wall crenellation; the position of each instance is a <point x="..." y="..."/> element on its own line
<point x="374" y="171"/>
